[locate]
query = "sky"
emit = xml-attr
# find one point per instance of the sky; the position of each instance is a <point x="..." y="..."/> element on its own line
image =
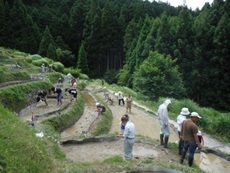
<point x="190" y="3"/>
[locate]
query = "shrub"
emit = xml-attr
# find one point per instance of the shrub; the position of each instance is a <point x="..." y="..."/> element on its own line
<point x="74" y="72"/>
<point x="57" y="66"/>
<point x="39" y="62"/>
<point x="35" y="57"/>
<point x="83" y="76"/>
<point x="53" y="77"/>
<point x="81" y="85"/>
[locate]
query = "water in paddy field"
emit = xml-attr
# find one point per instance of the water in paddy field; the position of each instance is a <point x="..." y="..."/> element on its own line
<point x="209" y="162"/>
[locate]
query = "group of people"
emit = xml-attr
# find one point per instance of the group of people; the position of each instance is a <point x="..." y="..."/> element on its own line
<point x="42" y="94"/>
<point x="189" y="137"/>
<point x="121" y="99"/>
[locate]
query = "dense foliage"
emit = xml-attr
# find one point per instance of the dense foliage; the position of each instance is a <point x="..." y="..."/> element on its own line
<point x="159" y="77"/>
<point x="118" y="35"/>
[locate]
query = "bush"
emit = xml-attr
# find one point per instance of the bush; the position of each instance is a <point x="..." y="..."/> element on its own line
<point x="74" y="72"/>
<point x="35" y="57"/>
<point x="57" y="66"/>
<point x="83" y="76"/>
<point x="81" y="85"/>
<point x="39" y="62"/>
<point x="53" y="77"/>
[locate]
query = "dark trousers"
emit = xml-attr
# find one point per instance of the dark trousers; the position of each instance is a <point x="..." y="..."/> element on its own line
<point x="121" y="100"/>
<point x="181" y="144"/>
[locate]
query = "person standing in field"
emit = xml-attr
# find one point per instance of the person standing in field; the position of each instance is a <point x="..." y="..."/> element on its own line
<point x="129" y="135"/>
<point x="129" y="103"/>
<point x="120" y="98"/>
<point x="180" y="119"/>
<point x="164" y="122"/>
<point x="58" y="90"/>
<point x="189" y="135"/>
<point x="73" y="89"/>
<point x="122" y="124"/>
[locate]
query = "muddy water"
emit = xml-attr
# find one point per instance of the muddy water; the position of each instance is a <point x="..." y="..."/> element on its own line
<point x="83" y="124"/>
<point x="211" y="163"/>
<point x="41" y="108"/>
<point x="102" y="150"/>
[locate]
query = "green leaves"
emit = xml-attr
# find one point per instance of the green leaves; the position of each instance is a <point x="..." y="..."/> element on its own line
<point x="158" y="76"/>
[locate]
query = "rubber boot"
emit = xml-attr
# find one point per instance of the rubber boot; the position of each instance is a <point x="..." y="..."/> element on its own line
<point x="190" y="161"/>
<point x="166" y="141"/>
<point x="182" y="157"/>
<point x="161" y="139"/>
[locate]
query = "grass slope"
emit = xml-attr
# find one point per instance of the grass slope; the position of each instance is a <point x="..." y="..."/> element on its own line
<point x="20" y="150"/>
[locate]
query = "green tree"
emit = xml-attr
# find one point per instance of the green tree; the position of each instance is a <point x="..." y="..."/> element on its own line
<point x="130" y="41"/>
<point x="2" y="21"/>
<point x="158" y="76"/>
<point x="76" y="22"/>
<point x="46" y="42"/>
<point x="65" y="57"/>
<point x="93" y="39"/>
<point x="82" y="62"/>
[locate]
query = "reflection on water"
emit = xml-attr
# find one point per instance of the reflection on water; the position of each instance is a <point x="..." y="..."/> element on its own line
<point x="211" y="163"/>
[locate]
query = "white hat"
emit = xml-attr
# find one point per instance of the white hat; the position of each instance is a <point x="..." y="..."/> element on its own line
<point x="195" y="114"/>
<point x="167" y="102"/>
<point x="199" y="133"/>
<point x="184" y="111"/>
<point x="97" y="104"/>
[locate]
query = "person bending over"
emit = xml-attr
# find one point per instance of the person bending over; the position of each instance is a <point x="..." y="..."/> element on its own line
<point x="41" y="96"/>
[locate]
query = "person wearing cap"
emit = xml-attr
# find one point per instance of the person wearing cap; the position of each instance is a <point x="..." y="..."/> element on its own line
<point x="200" y="137"/>
<point x="164" y="122"/>
<point x="180" y="118"/>
<point x="189" y="132"/>
<point x="129" y="135"/>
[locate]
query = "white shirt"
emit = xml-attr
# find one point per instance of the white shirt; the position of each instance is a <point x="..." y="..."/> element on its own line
<point x="180" y="120"/>
<point x="129" y="130"/>
<point x="120" y="96"/>
<point x="163" y="113"/>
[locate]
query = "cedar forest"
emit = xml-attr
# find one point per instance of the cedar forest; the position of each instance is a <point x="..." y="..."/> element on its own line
<point x="151" y="47"/>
